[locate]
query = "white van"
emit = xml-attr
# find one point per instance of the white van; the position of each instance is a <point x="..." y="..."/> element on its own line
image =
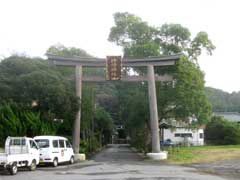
<point x="54" y="149"/>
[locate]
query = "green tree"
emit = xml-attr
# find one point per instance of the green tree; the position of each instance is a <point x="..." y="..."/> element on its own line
<point x="189" y="93"/>
<point x="136" y="115"/>
<point x="34" y="80"/>
<point x="222" y="132"/>
<point x="223" y="101"/>
<point x="104" y="124"/>
<point x="61" y="50"/>
<point x="25" y="80"/>
<point x="92" y="94"/>
<point x="185" y="96"/>
<point x="186" y="93"/>
<point x="139" y="39"/>
<point x="18" y="120"/>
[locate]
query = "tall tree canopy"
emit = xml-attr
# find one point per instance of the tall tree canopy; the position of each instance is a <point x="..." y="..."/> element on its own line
<point x="39" y="98"/>
<point x="92" y="115"/>
<point x="33" y="94"/>
<point x="138" y="38"/>
<point x="185" y="96"/>
<point x="61" y="50"/>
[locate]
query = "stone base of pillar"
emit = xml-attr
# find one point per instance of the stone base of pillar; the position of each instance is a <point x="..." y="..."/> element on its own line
<point x="79" y="157"/>
<point x="158" y="156"/>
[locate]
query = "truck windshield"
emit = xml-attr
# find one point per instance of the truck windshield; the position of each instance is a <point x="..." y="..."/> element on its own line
<point x="42" y="143"/>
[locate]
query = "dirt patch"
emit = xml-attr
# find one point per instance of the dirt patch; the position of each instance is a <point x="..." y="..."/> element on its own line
<point x="228" y="168"/>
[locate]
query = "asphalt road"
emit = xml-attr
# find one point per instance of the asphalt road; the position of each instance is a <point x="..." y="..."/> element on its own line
<point x="116" y="163"/>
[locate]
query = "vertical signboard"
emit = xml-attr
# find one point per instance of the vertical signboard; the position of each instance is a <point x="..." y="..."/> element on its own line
<point x="113" y="68"/>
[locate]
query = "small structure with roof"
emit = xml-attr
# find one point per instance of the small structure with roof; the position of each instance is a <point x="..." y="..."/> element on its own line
<point x="181" y="134"/>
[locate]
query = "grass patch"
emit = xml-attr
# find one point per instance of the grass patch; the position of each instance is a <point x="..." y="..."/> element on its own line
<point x="202" y="154"/>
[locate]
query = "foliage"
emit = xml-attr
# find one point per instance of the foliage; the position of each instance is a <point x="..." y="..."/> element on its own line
<point x="92" y="127"/>
<point x="185" y="96"/>
<point x="27" y="80"/>
<point x="190" y="98"/>
<point x="139" y="39"/>
<point x="180" y="99"/>
<point x="134" y="113"/>
<point x="103" y="119"/>
<point x="104" y="123"/>
<point x="41" y="100"/>
<point x="61" y="50"/>
<point x="34" y="80"/>
<point x="222" y="101"/>
<point x="222" y="132"/>
<point x="16" y="120"/>
<point x="10" y="123"/>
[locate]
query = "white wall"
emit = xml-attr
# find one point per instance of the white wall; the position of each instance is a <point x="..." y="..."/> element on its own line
<point x="195" y="140"/>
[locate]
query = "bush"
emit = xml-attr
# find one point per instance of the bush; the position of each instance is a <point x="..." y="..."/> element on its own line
<point x="16" y="120"/>
<point x="220" y="131"/>
<point x="140" y="139"/>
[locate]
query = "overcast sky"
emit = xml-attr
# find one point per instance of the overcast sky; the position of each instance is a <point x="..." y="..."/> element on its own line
<point x="31" y="26"/>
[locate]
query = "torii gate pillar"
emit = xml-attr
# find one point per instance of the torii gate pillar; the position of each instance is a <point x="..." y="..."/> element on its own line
<point x="77" y="122"/>
<point x="156" y="153"/>
<point x="153" y="110"/>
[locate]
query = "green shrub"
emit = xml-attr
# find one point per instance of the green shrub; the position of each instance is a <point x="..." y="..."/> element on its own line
<point x="17" y="120"/>
<point x="219" y="131"/>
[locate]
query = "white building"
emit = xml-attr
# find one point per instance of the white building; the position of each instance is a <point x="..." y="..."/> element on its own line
<point x="185" y="136"/>
<point x="181" y="135"/>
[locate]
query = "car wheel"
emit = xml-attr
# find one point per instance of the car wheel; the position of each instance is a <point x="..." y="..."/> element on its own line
<point x="55" y="162"/>
<point x="13" y="169"/>
<point x="71" y="160"/>
<point x="33" y="165"/>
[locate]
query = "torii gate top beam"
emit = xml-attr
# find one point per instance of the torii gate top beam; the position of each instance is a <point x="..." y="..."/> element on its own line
<point x="101" y="62"/>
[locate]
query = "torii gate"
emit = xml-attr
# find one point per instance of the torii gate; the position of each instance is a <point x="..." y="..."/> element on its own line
<point x="79" y="63"/>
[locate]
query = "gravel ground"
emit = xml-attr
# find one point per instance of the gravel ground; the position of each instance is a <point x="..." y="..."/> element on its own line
<point x="228" y="168"/>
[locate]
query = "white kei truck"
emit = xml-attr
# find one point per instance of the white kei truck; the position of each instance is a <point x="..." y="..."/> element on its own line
<point x="19" y="152"/>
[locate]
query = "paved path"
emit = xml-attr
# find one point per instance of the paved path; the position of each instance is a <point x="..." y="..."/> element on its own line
<point x="117" y="154"/>
<point x="115" y="163"/>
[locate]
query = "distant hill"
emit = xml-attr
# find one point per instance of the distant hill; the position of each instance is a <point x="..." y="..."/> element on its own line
<point x="223" y="101"/>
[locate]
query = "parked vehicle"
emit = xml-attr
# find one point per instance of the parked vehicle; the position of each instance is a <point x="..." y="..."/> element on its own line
<point x="19" y="152"/>
<point x="54" y="150"/>
<point x="167" y="143"/>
